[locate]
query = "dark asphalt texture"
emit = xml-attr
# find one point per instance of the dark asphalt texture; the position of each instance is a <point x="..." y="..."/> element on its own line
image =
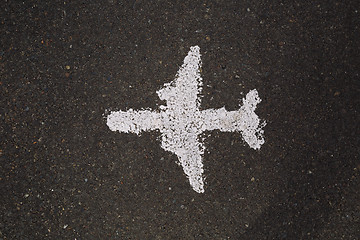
<point x="65" y="175"/>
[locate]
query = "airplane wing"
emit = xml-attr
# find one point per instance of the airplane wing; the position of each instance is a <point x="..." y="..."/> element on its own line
<point x="189" y="152"/>
<point x="191" y="162"/>
<point x="185" y="88"/>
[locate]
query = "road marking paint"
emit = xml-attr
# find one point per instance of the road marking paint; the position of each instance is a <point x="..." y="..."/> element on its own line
<point x="180" y="121"/>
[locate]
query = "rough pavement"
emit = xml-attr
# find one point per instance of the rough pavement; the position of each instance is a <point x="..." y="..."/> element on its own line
<point x="65" y="175"/>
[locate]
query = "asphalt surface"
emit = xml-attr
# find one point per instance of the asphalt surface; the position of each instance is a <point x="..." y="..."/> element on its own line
<point x="65" y="64"/>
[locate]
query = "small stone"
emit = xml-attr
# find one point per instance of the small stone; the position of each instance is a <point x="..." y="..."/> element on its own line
<point x="67" y="67"/>
<point x="252" y="179"/>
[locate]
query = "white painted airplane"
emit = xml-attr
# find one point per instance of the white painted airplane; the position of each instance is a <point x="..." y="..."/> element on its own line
<point x="180" y="121"/>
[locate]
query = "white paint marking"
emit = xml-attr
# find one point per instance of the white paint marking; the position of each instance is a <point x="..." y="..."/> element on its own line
<point x="181" y="122"/>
